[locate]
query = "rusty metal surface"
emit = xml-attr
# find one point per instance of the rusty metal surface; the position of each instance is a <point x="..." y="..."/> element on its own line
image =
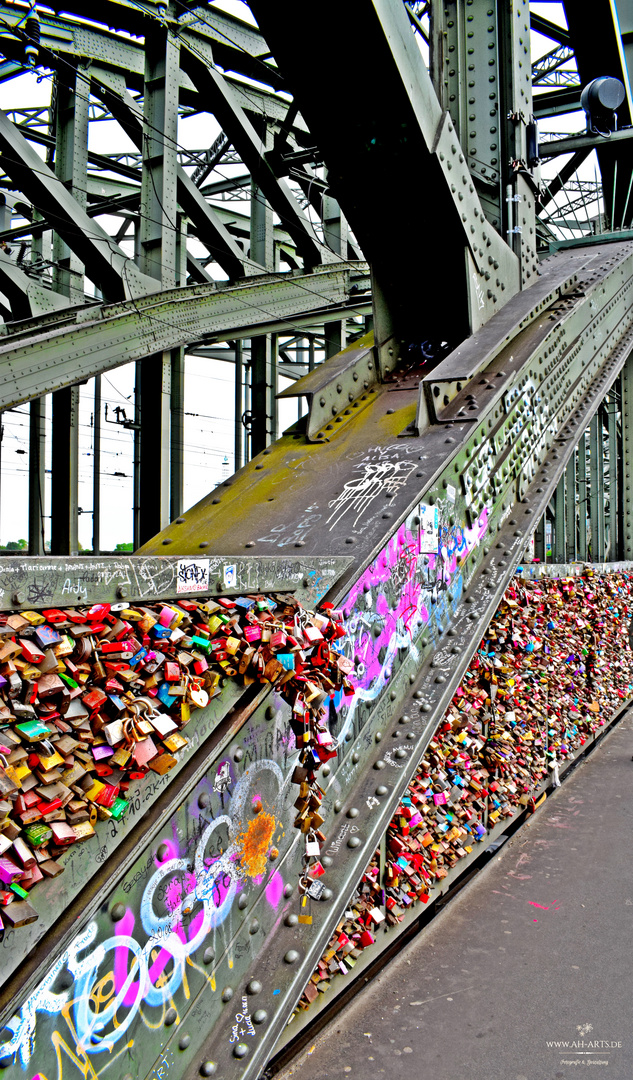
<point x="415" y="604"/>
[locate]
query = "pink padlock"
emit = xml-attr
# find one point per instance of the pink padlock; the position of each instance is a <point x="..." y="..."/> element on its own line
<point x="166" y="617"/>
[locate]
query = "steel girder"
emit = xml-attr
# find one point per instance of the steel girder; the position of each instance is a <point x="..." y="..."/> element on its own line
<point x="399" y="143"/>
<point x="616" y="164"/>
<point x="27" y="297"/>
<point x="205" y="219"/>
<point x="46" y="355"/>
<point x="110" y="268"/>
<point x="66" y="39"/>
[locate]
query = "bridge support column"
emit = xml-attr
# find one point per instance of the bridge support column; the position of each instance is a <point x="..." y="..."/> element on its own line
<point x="559" y="545"/>
<point x="614" y="515"/>
<point x="264" y="348"/>
<point x="263" y="392"/>
<point x="571" y="538"/>
<point x="71" y="166"/>
<point x="539" y="541"/>
<point x="335" y="235"/>
<point x="239" y="407"/>
<point x="596" y="465"/>
<point x="159" y="256"/>
<point x="37" y="502"/>
<point x="627" y="458"/>
<point x="65" y="472"/>
<point x="583" y="508"/>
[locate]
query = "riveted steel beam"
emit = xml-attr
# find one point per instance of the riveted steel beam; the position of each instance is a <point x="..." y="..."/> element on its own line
<point x="549" y="29"/>
<point x="385" y="155"/>
<point x="336" y="389"/>
<point x="583" y="496"/>
<point x="557" y="102"/>
<point x="37" y="488"/>
<point x="571" y="511"/>
<point x="573" y="143"/>
<point x="64" y="38"/>
<point x="110" y="268"/>
<point x="559" y="546"/>
<point x="25" y="294"/>
<point x="72" y="100"/>
<point x="613" y="516"/>
<point x="65" y="471"/>
<point x="230" y="114"/>
<point x="207" y="222"/>
<point x="615" y="159"/>
<point x="596" y="498"/>
<point x="26" y="581"/>
<point x="627" y="458"/>
<point x="45" y="356"/>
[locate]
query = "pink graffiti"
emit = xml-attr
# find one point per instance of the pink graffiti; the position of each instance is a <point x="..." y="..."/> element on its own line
<point x="274" y="889"/>
<point x="175" y="892"/>
<point x="125" y="926"/>
<point x="397" y="564"/>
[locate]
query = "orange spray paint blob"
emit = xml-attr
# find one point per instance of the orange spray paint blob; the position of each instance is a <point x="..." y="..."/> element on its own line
<point x="255" y="842"/>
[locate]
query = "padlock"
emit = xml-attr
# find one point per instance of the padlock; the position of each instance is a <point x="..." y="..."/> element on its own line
<point x="313" y="848"/>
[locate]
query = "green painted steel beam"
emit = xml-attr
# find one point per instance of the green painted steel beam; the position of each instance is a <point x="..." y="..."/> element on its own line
<point x="64" y="37"/>
<point x="46" y="355"/>
<point x="110" y="268"/>
<point x="573" y="143"/>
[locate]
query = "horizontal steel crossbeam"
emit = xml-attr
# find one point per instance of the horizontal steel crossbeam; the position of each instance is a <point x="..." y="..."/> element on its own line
<point x="49" y="354"/>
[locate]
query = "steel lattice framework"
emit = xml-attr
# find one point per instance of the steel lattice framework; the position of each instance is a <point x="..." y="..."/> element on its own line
<point x="370" y="219"/>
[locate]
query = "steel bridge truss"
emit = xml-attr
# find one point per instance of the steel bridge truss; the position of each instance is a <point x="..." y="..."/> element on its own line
<point x="464" y="375"/>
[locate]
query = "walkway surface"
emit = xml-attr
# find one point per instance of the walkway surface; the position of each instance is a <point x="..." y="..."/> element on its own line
<point x="528" y="973"/>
